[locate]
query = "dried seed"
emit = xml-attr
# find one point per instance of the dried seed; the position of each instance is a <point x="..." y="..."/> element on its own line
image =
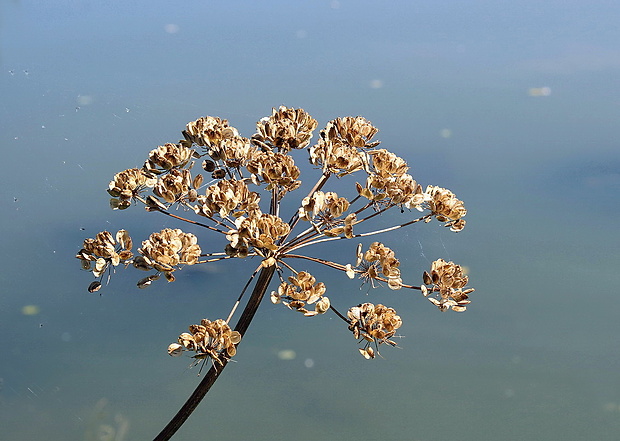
<point x="94" y="287"/>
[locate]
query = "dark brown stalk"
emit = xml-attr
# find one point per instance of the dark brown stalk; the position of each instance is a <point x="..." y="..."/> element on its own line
<point x="201" y="390"/>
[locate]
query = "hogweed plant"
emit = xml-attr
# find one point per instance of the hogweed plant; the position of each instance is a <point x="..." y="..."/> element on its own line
<point x="239" y="203"/>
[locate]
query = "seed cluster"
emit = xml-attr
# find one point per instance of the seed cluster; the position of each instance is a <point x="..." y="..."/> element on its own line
<point x="302" y="290"/>
<point x="167" y="157"/>
<point x="128" y="185"/>
<point x="105" y="250"/>
<point x="446" y="207"/>
<point x="236" y="195"/>
<point x="260" y="231"/>
<point x="170" y="248"/>
<point x="373" y="324"/>
<point x="213" y="339"/>
<point x="342" y="144"/>
<point x="228" y="197"/>
<point x="284" y="130"/>
<point x="448" y="279"/>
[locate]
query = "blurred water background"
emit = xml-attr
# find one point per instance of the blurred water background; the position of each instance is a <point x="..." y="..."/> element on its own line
<point x="512" y="105"/>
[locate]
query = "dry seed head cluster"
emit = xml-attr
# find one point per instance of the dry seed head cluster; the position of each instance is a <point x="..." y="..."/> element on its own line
<point x="105" y="250"/>
<point x="236" y="152"/>
<point x="212" y="339"/>
<point x="228" y="197"/>
<point x="301" y="290"/>
<point x="446" y="207"/>
<point x="327" y="203"/>
<point x="373" y="324"/>
<point x="449" y="280"/>
<point x="170" y="248"/>
<point x="128" y="185"/>
<point x="241" y="202"/>
<point x="276" y="169"/>
<point x="209" y="132"/>
<point x="167" y="157"/>
<point x="284" y="130"/>
<point x="174" y="186"/>
<point x="260" y="231"/>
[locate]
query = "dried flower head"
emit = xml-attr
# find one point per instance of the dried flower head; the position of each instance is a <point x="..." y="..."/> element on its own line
<point x="105" y="250"/>
<point x="284" y="130"/>
<point x="168" y="156"/>
<point x="321" y="206"/>
<point x="385" y="163"/>
<point x="381" y="258"/>
<point x="209" y="132"/>
<point x="301" y="290"/>
<point x="446" y="207"/>
<point x="166" y="250"/>
<point x="259" y="230"/>
<point x="276" y="169"/>
<point x="236" y="152"/>
<point x="448" y="279"/>
<point x="227" y="197"/>
<point x="393" y="190"/>
<point x="352" y="131"/>
<point x="128" y="185"/>
<point x="174" y="186"/>
<point x="334" y="156"/>
<point x="373" y="324"/>
<point x="215" y="340"/>
<point x="342" y="145"/>
<point x="243" y="204"/>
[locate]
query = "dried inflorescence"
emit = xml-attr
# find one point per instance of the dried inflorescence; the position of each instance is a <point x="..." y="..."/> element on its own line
<point x="276" y="169"/>
<point x="128" y="185"/>
<point x="301" y="290"/>
<point x="105" y="250"/>
<point x="227" y="197"/>
<point x="385" y="163"/>
<point x="166" y="250"/>
<point x="242" y="204"/>
<point x="174" y="186"/>
<point x="448" y="279"/>
<point x="215" y="340"/>
<point x="284" y="130"/>
<point x="373" y="324"/>
<point x="324" y="211"/>
<point x="352" y="131"/>
<point x="377" y="263"/>
<point x="342" y="145"/>
<point x="392" y="190"/>
<point x="324" y="205"/>
<point x="168" y="156"/>
<point x="259" y="230"/>
<point x="235" y="152"/>
<point x="209" y="132"/>
<point x="445" y="206"/>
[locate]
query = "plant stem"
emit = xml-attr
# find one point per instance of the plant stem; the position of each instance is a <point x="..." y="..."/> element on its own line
<point x="201" y="390"/>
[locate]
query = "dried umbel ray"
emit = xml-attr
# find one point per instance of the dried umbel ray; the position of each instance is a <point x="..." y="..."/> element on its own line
<point x="237" y="194"/>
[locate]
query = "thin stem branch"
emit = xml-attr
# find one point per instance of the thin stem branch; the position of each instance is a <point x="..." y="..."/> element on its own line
<point x="328" y="263"/>
<point x="341" y="267"/>
<point x="295" y="218"/>
<point x="370" y="233"/>
<point x="234" y="308"/>
<point x="194" y="222"/>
